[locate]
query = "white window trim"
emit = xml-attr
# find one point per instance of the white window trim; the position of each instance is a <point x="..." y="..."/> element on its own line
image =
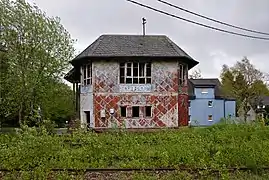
<point x="88" y="78"/>
<point x="211" y="104"/>
<point x="145" y="76"/>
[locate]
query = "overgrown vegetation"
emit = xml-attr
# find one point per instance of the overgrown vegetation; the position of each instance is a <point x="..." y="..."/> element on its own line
<point x="219" y="146"/>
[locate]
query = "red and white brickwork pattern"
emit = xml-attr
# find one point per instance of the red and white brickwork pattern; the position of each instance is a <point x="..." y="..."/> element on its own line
<point x="168" y="107"/>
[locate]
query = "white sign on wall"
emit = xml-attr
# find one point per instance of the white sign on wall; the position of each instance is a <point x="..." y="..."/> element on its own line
<point x="135" y="87"/>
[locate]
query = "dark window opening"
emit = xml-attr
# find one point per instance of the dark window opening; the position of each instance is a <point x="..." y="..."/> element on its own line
<point x="135" y="111"/>
<point x="148" y="80"/>
<point x="210" y="103"/>
<point x="189" y="103"/>
<point x="210" y="117"/>
<point x="123" y="111"/>
<point x="148" y="111"/>
<point x="88" y="117"/>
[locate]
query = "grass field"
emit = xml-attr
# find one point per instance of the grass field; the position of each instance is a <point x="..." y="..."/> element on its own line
<point x="217" y="147"/>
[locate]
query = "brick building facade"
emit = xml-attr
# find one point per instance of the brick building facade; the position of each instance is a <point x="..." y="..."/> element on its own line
<point x="132" y="81"/>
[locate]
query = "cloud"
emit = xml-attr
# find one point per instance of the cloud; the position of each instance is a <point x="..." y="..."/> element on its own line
<point x="88" y="19"/>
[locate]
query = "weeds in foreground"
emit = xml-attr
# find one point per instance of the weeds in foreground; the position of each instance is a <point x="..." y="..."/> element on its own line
<point x="218" y="146"/>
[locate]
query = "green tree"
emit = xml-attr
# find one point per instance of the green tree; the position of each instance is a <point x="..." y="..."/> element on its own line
<point x="38" y="48"/>
<point x="244" y="82"/>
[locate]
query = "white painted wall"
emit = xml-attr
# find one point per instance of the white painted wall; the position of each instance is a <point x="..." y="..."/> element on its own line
<point x="86" y="104"/>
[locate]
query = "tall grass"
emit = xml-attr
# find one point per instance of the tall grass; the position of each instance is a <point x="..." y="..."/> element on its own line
<point x="218" y="146"/>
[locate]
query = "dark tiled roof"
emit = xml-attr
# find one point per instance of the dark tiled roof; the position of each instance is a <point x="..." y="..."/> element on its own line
<point x="134" y="45"/>
<point x="206" y="82"/>
<point x="213" y="82"/>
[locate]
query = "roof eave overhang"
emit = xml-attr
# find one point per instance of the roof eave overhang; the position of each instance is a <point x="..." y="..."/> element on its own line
<point x="190" y="62"/>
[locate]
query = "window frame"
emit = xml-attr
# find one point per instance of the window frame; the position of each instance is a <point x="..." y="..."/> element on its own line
<point x="189" y="103"/>
<point x="145" y="113"/>
<point x="128" y="75"/>
<point x="133" y="111"/>
<point x="123" y="107"/>
<point x="182" y="74"/>
<point x="86" y="74"/>
<point x="211" y="103"/>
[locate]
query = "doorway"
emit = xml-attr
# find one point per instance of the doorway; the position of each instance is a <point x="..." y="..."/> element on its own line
<point x="88" y="117"/>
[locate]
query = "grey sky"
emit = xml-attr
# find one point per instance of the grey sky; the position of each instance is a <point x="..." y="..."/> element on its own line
<point x="86" y="20"/>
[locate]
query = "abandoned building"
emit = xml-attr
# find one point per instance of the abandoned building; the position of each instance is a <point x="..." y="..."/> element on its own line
<point x="132" y="81"/>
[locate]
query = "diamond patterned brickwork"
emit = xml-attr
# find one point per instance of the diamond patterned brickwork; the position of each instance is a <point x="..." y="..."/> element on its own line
<point x="183" y="109"/>
<point x="106" y="76"/>
<point x="168" y="100"/>
<point x="164" y="110"/>
<point x="164" y="76"/>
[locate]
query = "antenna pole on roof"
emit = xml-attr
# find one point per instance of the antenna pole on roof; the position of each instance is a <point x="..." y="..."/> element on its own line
<point x="143" y="23"/>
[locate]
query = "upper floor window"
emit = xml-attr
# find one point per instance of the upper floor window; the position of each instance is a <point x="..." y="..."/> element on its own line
<point x="183" y="74"/>
<point x="86" y="74"/>
<point x="204" y="90"/>
<point x="135" y="73"/>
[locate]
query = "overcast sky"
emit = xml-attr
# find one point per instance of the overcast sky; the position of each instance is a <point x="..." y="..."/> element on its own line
<point x="86" y="20"/>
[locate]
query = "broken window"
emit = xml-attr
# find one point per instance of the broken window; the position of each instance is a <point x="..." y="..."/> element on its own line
<point x="135" y="111"/>
<point x="182" y="74"/>
<point x="123" y="111"/>
<point x="86" y="74"/>
<point x="135" y="73"/>
<point x="148" y="111"/>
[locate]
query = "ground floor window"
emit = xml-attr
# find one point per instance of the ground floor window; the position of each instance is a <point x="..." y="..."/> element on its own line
<point x="123" y="111"/>
<point x="210" y="117"/>
<point x="135" y="111"/>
